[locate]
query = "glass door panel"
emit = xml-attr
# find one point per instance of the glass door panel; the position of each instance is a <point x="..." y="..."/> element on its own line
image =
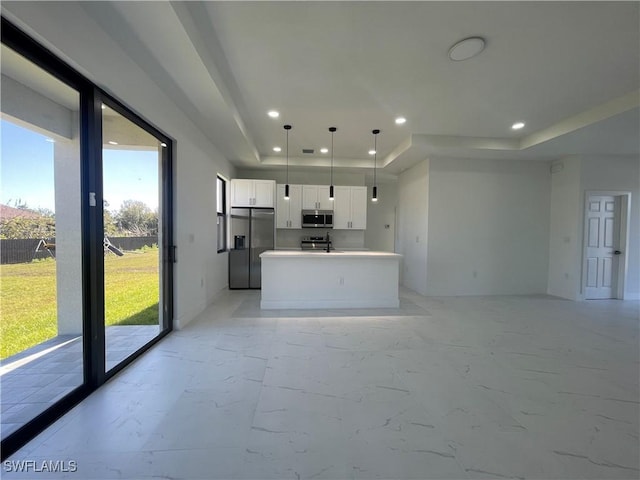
<point x="131" y="166"/>
<point x="41" y="317"/>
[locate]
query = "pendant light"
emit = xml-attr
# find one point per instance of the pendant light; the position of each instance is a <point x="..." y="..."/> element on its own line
<point x="286" y="187"/>
<point x="374" y="195"/>
<point x="332" y="130"/>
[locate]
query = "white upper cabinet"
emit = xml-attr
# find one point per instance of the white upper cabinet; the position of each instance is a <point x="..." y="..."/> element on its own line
<point x="316" y="197"/>
<point x="350" y="208"/>
<point x="252" y="193"/>
<point x="289" y="212"/>
<point x="359" y="208"/>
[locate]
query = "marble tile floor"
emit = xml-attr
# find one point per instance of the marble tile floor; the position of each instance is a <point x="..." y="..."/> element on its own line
<point x="35" y="379"/>
<point x="515" y="387"/>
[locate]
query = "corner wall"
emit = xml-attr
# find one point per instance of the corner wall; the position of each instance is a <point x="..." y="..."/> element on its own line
<point x="413" y="226"/>
<point x="565" y="229"/>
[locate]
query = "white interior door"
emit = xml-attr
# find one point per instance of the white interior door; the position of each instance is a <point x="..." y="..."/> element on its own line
<point x="602" y="238"/>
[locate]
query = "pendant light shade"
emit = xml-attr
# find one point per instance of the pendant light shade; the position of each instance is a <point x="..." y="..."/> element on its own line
<point x="286" y="187"/>
<point x="332" y="130"/>
<point x="374" y="193"/>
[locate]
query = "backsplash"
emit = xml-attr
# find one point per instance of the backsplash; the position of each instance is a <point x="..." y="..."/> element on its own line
<point x="345" y="239"/>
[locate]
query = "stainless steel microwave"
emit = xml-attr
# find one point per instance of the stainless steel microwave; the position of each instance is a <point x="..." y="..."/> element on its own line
<point x="317" y="219"/>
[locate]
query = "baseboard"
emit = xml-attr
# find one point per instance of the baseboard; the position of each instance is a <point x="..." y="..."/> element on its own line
<point x="391" y="302"/>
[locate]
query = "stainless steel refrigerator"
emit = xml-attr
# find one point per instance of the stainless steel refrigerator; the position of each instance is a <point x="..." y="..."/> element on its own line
<point x="252" y="232"/>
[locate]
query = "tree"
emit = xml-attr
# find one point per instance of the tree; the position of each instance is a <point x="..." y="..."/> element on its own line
<point x="135" y="218"/>
<point x="110" y="227"/>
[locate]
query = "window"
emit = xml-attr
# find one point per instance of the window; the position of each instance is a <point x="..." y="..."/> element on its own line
<point x="221" y="209"/>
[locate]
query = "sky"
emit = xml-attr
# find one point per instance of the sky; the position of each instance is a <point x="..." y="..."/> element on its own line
<point x="26" y="171"/>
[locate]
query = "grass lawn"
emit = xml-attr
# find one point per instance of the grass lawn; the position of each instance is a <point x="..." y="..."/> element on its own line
<point x="28" y="312"/>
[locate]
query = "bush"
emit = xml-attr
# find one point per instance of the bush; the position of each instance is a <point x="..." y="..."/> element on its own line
<point x="25" y="227"/>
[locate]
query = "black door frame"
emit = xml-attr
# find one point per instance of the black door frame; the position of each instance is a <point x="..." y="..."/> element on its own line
<point x="92" y="228"/>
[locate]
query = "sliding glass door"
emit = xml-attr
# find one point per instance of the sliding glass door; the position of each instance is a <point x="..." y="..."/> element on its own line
<point x="132" y="217"/>
<point x="40" y="240"/>
<point x="85" y="237"/>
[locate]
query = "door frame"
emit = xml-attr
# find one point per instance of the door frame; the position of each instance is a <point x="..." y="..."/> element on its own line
<point x="623" y="263"/>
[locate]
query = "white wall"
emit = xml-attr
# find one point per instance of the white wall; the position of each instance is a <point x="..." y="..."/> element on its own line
<point x="65" y="28"/>
<point x="488" y="227"/>
<point x="618" y="174"/>
<point x="565" y="237"/>
<point x="413" y="225"/>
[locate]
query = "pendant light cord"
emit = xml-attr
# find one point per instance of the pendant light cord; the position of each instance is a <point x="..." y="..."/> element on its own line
<point x="331" y="183"/>
<point x="375" y="158"/>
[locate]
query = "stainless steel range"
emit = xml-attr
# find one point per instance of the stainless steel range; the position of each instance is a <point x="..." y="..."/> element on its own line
<point x="315" y="242"/>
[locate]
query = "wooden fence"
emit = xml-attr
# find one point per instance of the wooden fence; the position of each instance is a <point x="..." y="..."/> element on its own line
<point x="23" y="250"/>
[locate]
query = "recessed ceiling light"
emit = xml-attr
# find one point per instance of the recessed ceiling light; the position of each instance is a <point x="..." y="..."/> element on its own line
<point x="163" y="144"/>
<point x="467" y="48"/>
<point x="400" y="120"/>
<point x="111" y="142"/>
<point x="324" y="150"/>
<point x="372" y="152"/>
<point x="277" y="149"/>
<point x="517" y="125"/>
<point x="273" y="113"/>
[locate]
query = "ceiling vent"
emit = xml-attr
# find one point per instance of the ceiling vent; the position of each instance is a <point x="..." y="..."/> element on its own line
<point x="308" y="150"/>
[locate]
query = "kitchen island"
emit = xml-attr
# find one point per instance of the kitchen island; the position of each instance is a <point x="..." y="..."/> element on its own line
<point x="338" y="279"/>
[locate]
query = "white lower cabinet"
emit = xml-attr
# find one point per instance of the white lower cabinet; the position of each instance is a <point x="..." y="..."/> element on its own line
<point x="289" y="212"/>
<point x="350" y="208"/>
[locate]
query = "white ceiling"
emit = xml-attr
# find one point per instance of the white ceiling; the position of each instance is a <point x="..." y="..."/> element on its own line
<point x="569" y="70"/>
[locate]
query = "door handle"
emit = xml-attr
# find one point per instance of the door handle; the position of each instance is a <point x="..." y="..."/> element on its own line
<point x="617" y="252"/>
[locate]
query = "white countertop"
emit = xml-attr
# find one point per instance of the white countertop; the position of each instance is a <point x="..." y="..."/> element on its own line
<point x="322" y="254"/>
